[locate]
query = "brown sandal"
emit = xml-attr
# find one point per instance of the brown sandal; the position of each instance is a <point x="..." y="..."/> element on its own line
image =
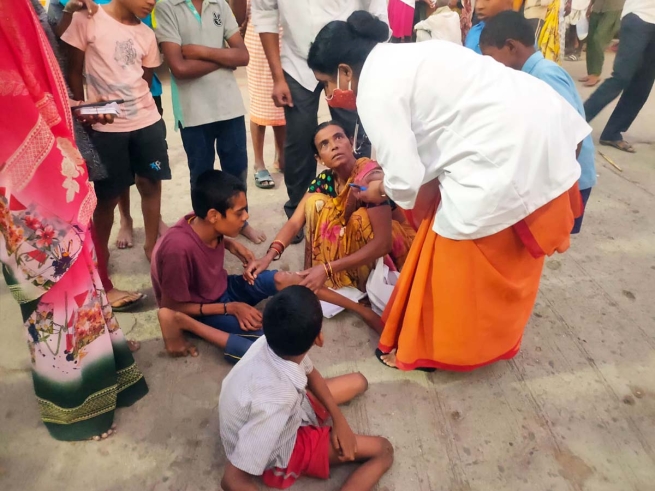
<point x="619" y="144"/>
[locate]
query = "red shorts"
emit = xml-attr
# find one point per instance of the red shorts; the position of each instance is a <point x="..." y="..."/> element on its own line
<point x="310" y="456"/>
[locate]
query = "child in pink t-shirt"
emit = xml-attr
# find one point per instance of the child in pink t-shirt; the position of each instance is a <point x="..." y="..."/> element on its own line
<point x="117" y="54"/>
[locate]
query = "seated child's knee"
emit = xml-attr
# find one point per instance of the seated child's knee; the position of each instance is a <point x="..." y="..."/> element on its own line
<point x="362" y="382"/>
<point x="386" y="449"/>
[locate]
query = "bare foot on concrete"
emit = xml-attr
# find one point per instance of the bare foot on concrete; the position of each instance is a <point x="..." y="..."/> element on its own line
<point x="253" y="235"/>
<point x="592" y="81"/>
<point x="174" y="341"/>
<point x="104" y="435"/>
<point x="148" y="248"/>
<point x="125" y="238"/>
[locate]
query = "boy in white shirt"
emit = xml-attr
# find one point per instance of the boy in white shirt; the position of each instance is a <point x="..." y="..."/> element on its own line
<point x="272" y="426"/>
<point x="443" y="25"/>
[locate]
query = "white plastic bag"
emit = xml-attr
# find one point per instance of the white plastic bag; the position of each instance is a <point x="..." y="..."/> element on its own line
<point x="380" y="286"/>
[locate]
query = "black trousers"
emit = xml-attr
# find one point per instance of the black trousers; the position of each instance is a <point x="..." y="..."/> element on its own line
<point x="299" y="151"/>
<point x="632" y="77"/>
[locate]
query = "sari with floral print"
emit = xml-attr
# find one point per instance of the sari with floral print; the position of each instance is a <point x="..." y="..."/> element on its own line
<point x="337" y="224"/>
<point x="81" y="364"/>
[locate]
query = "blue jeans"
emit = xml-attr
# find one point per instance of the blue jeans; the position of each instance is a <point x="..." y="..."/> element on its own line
<point x="238" y="290"/>
<point x="632" y="77"/>
<point x="229" y="140"/>
<point x="577" y="225"/>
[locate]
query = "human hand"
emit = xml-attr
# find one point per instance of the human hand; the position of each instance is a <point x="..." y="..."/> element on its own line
<point x="242" y="252"/>
<point x="74" y="5"/>
<point x="250" y="319"/>
<point x="567" y="8"/>
<point x="91" y="119"/>
<point x="373" y="193"/>
<point x="313" y="278"/>
<point x="344" y="440"/>
<point x="193" y="51"/>
<point x="254" y="267"/>
<point x="282" y="94"/>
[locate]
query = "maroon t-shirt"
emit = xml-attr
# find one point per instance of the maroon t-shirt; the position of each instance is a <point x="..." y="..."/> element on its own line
<point x="185" y="269"/>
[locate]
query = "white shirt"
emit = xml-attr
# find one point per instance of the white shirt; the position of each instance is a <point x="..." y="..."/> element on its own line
<point x="645" y="9"/>
<point x="301" y="21"/>
<point x="262" y="404"/>
<point x="501" y="142"/>
<point x="444" y="24"/>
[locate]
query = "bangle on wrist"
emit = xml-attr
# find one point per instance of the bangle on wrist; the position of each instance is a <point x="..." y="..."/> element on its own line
<point x="224" y="308"/>
<point x="201" y="314"/>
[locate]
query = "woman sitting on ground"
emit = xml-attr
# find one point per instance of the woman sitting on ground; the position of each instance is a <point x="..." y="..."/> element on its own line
<point x="344" y="236"/>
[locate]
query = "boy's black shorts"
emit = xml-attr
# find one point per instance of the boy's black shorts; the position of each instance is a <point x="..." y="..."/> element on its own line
<point x="141" y="152"/>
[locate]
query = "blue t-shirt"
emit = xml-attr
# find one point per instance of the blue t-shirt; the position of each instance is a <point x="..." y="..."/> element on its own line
<point x="559" y="79"/>
<point x="472" y="40"/>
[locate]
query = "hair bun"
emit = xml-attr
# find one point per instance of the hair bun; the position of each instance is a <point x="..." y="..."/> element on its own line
<point x="367" y="26"/>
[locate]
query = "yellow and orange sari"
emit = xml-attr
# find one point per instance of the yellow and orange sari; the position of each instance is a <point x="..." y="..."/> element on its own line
<point x="337" y="225"/>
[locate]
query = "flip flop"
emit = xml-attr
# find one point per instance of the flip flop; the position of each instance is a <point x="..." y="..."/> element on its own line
<point x="129" y="305"/>
<point x="592" y="84"/>
<point x="264" y="179"/>
<point x="379" y="354"/>
<point x="619" y="144"/>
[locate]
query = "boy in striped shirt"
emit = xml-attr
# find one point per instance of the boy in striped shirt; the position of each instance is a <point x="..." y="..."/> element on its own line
<point x="274" y="403"/>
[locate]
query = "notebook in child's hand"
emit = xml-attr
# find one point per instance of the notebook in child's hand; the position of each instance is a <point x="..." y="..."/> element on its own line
<point x="330" y="310"/>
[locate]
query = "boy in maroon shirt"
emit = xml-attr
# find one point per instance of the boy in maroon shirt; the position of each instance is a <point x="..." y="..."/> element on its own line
<point x="192" y="287"/>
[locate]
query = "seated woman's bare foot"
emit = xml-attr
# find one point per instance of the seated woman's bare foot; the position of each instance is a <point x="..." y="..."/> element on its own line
<point x="133" y="345"/>
<point x="389" y="359"/>
<point x="125" y="237"/>
<point x="174" y="341"/>
<point x="104" y="435"/>
<point x="373" y="320"/>
<point x="163" y="228"/>
<point x="253" y="235"/>
<point x="121" y="300"/>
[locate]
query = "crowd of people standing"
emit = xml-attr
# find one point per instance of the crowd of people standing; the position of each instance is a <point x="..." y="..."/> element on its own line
<point x="449" y="204"/>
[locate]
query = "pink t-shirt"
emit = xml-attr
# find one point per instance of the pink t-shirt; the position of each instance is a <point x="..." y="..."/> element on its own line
<point x="115" y="55"/>
<point x="185" y="269"/>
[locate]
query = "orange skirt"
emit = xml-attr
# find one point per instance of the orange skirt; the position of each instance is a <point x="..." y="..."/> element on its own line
<point x="462" y="304"/>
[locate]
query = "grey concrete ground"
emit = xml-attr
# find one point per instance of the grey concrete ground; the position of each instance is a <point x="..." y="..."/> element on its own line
<point x="575" y="410"/>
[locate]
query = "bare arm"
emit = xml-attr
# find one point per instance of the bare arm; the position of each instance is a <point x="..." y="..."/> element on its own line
<point x="76" y="72"/>
<point x="182" y="68"/>
<point x="147" y="75"/>
<point x="271" y="45"/>
<point x="234" y="56"/>
<point x="379" y="246"/>
<point x="65" y="21"/>
<point x="240" y="10"/>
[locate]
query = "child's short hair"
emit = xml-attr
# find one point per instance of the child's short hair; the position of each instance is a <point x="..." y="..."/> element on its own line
<point x="292" y="321"/>
<point x="507" y="25"/>
<point x="215" y="190"/>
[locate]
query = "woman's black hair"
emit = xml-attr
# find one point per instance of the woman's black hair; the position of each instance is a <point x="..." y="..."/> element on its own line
<point x="347" y="42"/>
<point x="324" y="125"/>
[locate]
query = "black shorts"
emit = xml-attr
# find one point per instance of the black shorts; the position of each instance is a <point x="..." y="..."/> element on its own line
<point x="141" y="152"/>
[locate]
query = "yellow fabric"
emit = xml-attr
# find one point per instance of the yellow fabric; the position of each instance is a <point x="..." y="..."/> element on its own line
<point x="549" y="38"/>
<point x="338" y="227"/>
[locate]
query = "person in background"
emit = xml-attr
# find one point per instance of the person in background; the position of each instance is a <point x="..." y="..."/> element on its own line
<point x="632" y="76"/>
<point x="125" y="236"/>
<point x="203" y="46"/>
<point x="454" y="151"/>
<point x="402" y="18"/>
<point x="81" y="363"/>
<point x="573" y="22"/>
<point x="263" y="112"/>
<point x="604" y="23"/>
<point x="294" y="85"/>
<point x="444" y="24"/>
<point x="508" y="38"/>
<point x="117" y="55"/>
<point x="274" y="406"/>
<point x="484" y="9"/>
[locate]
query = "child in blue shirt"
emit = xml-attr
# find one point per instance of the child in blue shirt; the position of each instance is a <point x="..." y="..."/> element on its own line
<point x="509" y="39"/>
<point x="485" y="10"/>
